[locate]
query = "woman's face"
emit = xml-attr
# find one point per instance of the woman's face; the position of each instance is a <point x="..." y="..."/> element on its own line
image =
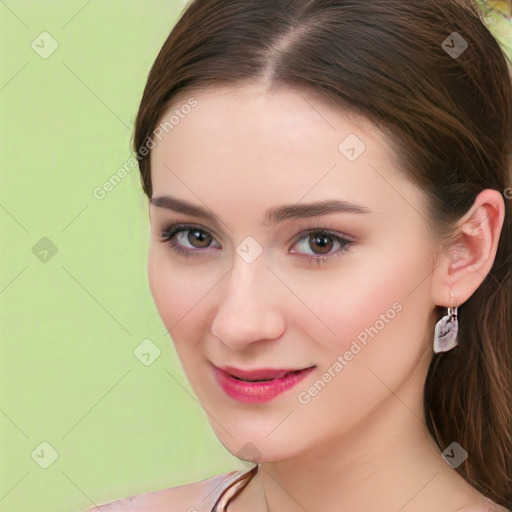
<point x="268" y="280"/>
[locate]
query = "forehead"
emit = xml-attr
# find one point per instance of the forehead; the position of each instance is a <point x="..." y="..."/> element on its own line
<point x="246" y="144"/>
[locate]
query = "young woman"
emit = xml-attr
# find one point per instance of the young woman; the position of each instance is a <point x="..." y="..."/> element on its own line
<point x="329" y="185"/>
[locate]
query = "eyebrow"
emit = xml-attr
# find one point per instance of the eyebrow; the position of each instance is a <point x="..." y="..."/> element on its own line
<point x="272" y="216"/>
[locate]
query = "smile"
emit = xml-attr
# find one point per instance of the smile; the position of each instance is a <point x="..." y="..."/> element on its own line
<point x="260" y="385"/>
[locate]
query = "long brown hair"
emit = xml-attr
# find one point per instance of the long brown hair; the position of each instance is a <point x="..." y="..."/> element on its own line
<point x="449" y="118"/>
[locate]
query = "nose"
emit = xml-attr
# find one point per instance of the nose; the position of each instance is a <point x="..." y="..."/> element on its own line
<point x="249" y="306"/>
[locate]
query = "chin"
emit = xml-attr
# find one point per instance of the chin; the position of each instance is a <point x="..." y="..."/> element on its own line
<point x="253" y="447"/>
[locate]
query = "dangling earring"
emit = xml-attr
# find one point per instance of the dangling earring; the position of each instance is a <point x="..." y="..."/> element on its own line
<point x="445" y="334"/>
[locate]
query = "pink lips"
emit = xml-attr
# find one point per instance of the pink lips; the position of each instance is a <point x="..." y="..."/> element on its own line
<point x="260" y="385"/>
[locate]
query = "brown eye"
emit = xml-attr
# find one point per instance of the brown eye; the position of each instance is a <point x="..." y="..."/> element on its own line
<point x="320" y="246"/>
<point x="322" y="242"/>
<point x="188" y="240"/>
<point x="198" y="239"/>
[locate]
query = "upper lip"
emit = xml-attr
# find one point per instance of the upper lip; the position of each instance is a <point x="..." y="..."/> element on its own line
<point x="260" y="373"/>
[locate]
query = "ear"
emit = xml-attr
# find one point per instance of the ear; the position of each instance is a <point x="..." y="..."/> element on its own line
<point x="463" y="264"/>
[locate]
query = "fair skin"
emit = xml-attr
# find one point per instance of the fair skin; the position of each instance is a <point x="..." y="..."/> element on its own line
<point x="360" y="444"/>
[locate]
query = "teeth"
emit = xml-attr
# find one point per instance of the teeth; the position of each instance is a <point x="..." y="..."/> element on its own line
<point x="247" y="380"/>
<point x="280" y="376"/>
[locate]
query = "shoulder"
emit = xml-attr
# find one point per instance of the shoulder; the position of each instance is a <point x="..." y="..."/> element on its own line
<point x="194" y="497"/>
<point x="483" y="505"/>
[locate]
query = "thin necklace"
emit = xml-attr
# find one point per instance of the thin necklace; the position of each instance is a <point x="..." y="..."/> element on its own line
<point x="265" y="497"/>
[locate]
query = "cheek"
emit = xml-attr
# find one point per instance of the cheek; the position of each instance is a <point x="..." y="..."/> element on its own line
<point x="379" y="311"/>
<point x="359" y="297"/>
<point x="162" y="282"/>
<point x="179" y="292"/>
<point x="174" y="291"/>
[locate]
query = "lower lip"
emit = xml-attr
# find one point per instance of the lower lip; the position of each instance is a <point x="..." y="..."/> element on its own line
<point x="257" y="392"/>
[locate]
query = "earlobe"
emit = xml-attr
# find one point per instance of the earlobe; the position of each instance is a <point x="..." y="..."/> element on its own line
<point x="463" y="265"/>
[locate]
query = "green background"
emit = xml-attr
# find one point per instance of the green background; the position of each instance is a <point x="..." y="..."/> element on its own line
<point x="75" y="302"/>
<point x="70" y="324"/>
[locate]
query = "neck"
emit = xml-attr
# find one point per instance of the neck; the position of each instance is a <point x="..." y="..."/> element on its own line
<point x="390" y="462"/>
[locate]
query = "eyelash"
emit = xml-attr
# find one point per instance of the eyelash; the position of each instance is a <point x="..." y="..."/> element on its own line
<point x="168" y="236"/>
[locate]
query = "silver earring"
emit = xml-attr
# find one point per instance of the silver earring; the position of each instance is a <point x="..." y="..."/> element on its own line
<point x="445" y="335"/>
